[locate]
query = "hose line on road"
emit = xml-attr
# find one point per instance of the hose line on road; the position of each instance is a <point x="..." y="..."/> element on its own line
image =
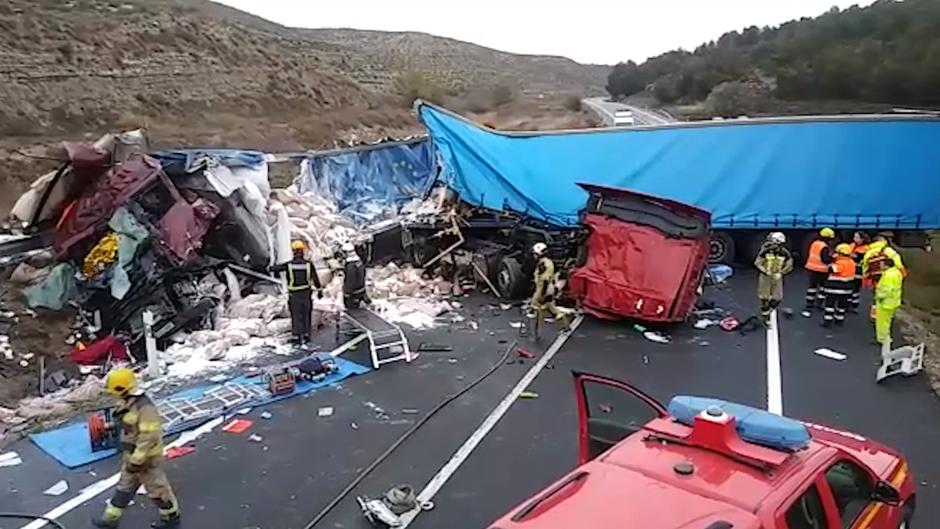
<point x="28" y="516"/>
<point x="398" y="442"/>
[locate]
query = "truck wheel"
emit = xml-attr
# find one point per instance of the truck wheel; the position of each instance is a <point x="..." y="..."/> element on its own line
<point x="720" y="248"/>
<point x="510" y="280"/>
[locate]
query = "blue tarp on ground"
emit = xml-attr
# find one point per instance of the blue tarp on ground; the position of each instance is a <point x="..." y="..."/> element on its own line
<point x="69" y="444"/>
<point x="370" y="183"/>
<point x="189" y="160"/>
<point x="868" y="172"/>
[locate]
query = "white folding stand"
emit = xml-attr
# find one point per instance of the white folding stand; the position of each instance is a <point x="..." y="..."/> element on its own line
<point x="382" y="335"/>
<point x="906" y="360"/>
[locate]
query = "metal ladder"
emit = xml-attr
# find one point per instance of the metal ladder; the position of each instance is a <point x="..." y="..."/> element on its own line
<point x="179" y="412"/>
<point x="382" y="335"/>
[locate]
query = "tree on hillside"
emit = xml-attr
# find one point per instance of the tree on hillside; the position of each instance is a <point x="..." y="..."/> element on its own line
<point x="886" y="52"/>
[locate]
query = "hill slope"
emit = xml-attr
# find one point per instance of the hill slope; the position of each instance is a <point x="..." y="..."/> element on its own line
<point x="375" y="57"/>
<point x="888" y="52"/>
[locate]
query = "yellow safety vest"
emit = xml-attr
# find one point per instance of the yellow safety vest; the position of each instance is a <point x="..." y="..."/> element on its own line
<point x="889" y="289"/>
<point x="293" y="268"/>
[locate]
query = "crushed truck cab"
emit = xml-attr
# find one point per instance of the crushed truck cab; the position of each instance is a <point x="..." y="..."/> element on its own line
<point x="708" y="464"/>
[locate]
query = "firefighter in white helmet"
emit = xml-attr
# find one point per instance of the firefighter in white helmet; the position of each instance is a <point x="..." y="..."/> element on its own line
<point x="543" y="299"/>
<point x="773" y="262"/>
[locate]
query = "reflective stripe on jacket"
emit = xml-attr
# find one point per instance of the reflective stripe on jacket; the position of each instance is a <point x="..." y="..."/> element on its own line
<point x="298" y="276"/>
<point x="858" y="255"/>
<point x="873" y="264"/>
<point x="841" y="276"/>
<point x="889" y="289"/>
<point x="815" y="260"/>
<point x="141" y="429"/>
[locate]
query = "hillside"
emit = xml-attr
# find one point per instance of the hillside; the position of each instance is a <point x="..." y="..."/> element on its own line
<point x="377" y="56"/>
<point x="888" y="53"/>
<point x="199" y="73"/>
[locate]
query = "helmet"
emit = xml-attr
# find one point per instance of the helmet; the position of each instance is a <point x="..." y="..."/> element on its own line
<point x="348" y="247"/>
<point x="777" y="237"/>
<point x="297" y="246"/>
<point x="844" y="249"/>
<point x="121" y="382"/>
<point x="827" y="233"/>
<point x="539" y="248"/>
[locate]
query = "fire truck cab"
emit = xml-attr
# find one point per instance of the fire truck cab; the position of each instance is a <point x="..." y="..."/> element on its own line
<point x="703" y="463"/>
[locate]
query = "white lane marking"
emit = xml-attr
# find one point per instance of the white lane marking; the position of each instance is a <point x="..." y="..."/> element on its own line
<point x="774" y="385"/>
<point x="471" y="443"/>
<point x="100" y="486"/>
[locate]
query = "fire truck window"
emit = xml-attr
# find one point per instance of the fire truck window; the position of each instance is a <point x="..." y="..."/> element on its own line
<point x="613" y="414"/>
<point x="852" y="487"/>
<point x="807" y="512"/>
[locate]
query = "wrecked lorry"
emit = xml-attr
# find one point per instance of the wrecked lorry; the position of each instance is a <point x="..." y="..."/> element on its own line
<point x="754" y="175"/>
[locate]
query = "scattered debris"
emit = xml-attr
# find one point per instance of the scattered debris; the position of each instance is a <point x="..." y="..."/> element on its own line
<point x="829" y="353"/>
<point x="409" y="411"/>
<point x="354" y="426"/>
<point x="705" y="323"/>
<point x="528" y="395"/>
<point x="325" y="411"/>
<point x="606" y="408"/>
<point x="237" y="426"/>
<point x="524" y="353"/>
<point x="906" y="360"/>
<point x="266" y="415"/>
<point x="10" y="459"/>
<point x="178" y="451"/>
<point x="787" y="313"/>
<point x="639" y="328"/>
<point x="516" y="324"/>
<point x="255" y="438"/>
<point x="719" y="273"/>
<point x="60" y="488"/>
<point x="656" y="336"/>
<point x="505" y="306"/>
<point x="729" y="323"/>
<point x="434" y="348"/>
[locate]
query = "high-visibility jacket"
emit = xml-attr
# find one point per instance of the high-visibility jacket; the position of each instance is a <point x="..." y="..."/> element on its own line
<point x="818" y="258"/>
<point x="301" y="274"/>
<point x="873" y="263"/>
<point x="841" y="276"/>
<point x="141" y="429"/>
<point x="858" y="255"/>
<point x="544" y="281"/>
<point x="889" y="288"/>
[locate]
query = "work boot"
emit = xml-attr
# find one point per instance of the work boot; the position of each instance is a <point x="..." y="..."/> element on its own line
<point x="105" y="524"/>
<point x="169" y="522"/>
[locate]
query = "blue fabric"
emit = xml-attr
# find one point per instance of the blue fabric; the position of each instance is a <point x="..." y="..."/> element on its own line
<point x="752" y="424"/>
<point x="370" y="183"/>
<point x="69" y="444"/>
<point x="183" y="161"/>
<point x="867" y="173"/>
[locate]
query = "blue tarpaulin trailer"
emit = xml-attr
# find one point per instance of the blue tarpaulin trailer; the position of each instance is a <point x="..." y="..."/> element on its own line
<point x="791" y="174"/>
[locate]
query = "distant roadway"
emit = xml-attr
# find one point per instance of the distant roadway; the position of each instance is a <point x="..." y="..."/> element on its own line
<point x="605" y="109"/>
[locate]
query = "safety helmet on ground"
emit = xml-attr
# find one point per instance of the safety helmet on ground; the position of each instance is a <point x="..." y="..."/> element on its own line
<point x="297" y="246"/>
<point x="777" y="237"/>
<point x="827" y="233"/>
<point x="539" y="248"/>
<point x="121" y="382"/>
<point x="844" y="249"/>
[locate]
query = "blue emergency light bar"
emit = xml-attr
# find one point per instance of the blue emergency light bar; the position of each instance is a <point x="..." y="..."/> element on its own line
<point x="753" y="425"/>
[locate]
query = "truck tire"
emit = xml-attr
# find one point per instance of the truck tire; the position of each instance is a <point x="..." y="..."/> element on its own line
<point x="510" y="280"/>
<point x="721" y="248"/>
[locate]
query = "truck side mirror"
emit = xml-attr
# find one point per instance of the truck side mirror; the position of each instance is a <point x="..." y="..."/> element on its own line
<point x="885" y="493"/>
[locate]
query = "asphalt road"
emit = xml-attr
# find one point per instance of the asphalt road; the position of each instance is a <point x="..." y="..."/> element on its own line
<point x="304" y="460"/>
<point x="606" y="109"/>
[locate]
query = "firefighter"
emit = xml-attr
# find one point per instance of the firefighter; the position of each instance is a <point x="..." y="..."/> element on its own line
<point x="817" y="268"/>
<point x="873" y="263"/>
<point x="773" y="261"/>
<point x="543" y="299"/>
<point x="838" y="285"/>
<point x="141" y="453"/>
<point x="301" y="279"/>
<point x="887" y="300"/>
<point x="354" y="278"/>
<point x="860" y="242"/>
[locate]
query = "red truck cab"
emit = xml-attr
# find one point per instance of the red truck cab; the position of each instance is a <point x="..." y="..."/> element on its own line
<point x="711" y="464"/>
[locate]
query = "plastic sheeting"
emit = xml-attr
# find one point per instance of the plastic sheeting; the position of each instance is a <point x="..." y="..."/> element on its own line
<point x="370" y="183"/>
<point x="55" y="291"/>
<point x="130" y="235"/>
<point x="849" y="171"/>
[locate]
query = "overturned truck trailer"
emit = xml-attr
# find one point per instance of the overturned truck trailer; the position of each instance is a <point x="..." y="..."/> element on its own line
<point x="872" y="173"/>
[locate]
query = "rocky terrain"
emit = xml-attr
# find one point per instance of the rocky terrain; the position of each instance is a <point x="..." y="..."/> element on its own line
<point x="198" y="73"/>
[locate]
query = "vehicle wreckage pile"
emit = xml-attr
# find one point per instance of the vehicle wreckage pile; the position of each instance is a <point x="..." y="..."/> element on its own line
<point x="187" y="238"/>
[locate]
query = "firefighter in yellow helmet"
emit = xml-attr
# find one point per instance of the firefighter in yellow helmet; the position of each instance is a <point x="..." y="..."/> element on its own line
<point x="838" y="285"/>
<point x="817" y="267"/>
<point x="141" y="454"/>
<point x="301" y="279"/>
